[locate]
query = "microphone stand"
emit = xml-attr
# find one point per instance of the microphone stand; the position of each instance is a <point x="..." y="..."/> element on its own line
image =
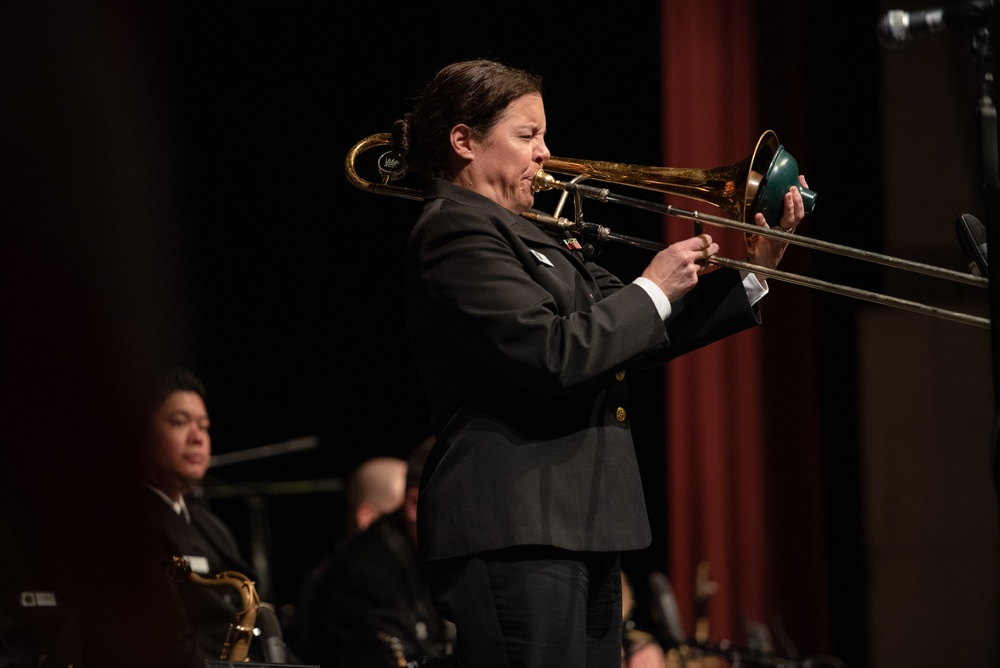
<point x="986" y="117"/>
<point x="256" y="503"/>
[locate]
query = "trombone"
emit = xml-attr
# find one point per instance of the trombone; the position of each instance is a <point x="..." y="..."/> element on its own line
<point x="755" y="184"/>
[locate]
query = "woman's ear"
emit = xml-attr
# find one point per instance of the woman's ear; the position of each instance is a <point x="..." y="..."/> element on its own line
<point x="461" y="140"/>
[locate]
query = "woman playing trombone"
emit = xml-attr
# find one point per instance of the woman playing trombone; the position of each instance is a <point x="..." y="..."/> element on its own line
<point x="523" y="345"/>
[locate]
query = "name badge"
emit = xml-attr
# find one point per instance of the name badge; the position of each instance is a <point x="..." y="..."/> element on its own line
<point x="33" y="599"/>
<point x="199" y="565"/>
<point x="541" y="258"/>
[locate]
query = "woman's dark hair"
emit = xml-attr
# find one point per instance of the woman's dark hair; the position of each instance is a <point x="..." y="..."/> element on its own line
<point x="473" y="92"/>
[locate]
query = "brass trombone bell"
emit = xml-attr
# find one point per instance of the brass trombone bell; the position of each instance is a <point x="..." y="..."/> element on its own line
<point x="756" y="184"/>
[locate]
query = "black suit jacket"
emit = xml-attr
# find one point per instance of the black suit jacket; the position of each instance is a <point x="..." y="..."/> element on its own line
<point x="136" y="612"/>
<point x="368" y="591"/>
<point x="201" y="614"/>
<point x="523" y="348"/>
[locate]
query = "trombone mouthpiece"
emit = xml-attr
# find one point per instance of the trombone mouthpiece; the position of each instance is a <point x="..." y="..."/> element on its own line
<point x="543" y="181"/>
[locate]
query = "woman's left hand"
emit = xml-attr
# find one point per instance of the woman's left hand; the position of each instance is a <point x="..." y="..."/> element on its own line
<point x="767" y="252"/>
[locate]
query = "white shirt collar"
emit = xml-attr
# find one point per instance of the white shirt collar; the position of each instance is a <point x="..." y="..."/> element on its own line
<point x="179" y="506"/>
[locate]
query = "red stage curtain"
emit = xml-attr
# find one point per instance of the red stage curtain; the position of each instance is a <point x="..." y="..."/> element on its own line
<point x="715" y="459"/>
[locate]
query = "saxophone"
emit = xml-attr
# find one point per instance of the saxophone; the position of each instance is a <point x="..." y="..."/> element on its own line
<point x="241" y="630"/>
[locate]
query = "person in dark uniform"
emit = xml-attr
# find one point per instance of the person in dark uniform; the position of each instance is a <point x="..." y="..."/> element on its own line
<point x="523" y="345"/>
<point x="178" y="525"/>
<point x="375" y="487"/>
<point x="368" y="603"/>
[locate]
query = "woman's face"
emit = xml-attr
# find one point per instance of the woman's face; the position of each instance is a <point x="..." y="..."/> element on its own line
<point x="507" y="158"/>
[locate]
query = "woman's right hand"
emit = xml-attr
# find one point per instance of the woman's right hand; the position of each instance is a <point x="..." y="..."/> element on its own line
<point x="675" y="269"/>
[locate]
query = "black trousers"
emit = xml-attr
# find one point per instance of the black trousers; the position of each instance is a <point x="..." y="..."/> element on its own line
<point x="532" y="607"/>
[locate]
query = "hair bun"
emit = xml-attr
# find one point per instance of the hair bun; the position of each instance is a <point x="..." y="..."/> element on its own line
<point x="401" y="136"/>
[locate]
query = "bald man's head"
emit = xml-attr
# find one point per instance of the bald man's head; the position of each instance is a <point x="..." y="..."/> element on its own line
<point x="376" y="487"/>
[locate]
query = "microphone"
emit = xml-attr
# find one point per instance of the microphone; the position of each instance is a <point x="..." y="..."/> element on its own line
<point x="664" y="611"/>
<point x="972" y="240"/>
<point x="898" y="27"/>
<point x="270" y="631"/>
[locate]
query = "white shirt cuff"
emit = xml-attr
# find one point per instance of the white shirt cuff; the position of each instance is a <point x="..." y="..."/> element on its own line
<point x="660" y="300"/>
<point x="755" y="289"/>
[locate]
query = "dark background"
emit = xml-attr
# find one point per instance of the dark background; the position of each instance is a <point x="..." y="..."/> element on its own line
<point x="174" y="191"/>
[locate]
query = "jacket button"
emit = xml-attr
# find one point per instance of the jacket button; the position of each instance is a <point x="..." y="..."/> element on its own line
<point x="620" y="414"/>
